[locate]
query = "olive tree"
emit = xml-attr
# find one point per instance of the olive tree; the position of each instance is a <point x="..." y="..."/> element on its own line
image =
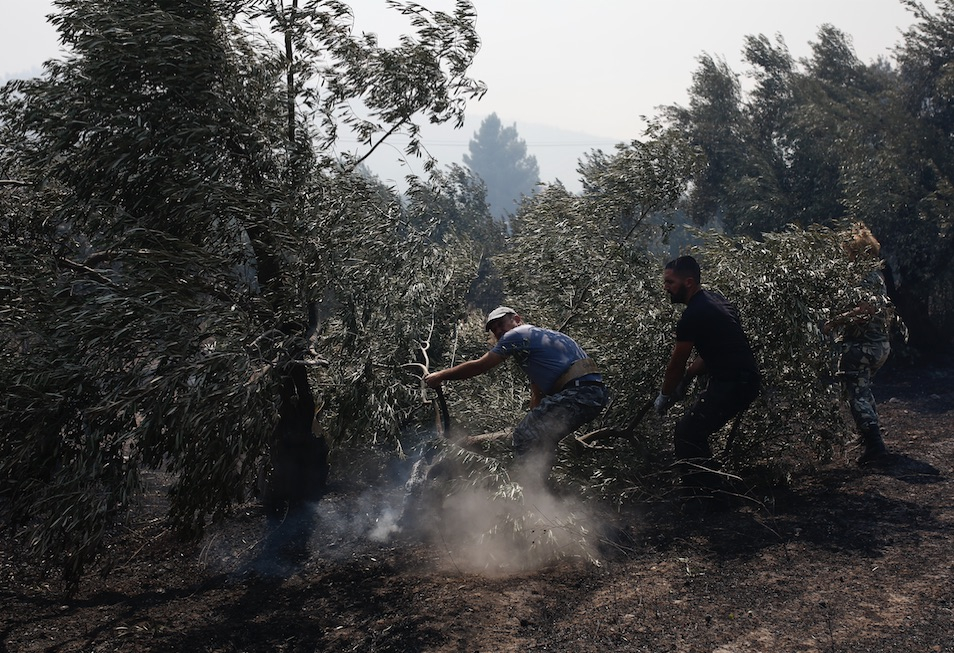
<point x="183" y="269"/>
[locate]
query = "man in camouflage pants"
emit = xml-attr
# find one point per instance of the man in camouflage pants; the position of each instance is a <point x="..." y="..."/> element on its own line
<point x="567" y="389"/>
<point x="862" y="336"/>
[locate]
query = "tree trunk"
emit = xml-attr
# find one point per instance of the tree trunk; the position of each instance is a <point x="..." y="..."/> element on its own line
<point x="298" y="465"/>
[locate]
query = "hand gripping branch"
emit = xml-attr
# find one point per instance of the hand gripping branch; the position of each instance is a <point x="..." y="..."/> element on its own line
<point x="442" y="415"/>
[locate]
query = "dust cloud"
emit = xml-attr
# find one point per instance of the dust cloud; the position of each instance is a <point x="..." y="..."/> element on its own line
<point x="500" y="528"/>
<point x="492" y="528"/>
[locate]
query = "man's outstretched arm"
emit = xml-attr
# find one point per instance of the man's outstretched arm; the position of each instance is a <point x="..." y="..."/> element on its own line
<point x="465" y="370"/>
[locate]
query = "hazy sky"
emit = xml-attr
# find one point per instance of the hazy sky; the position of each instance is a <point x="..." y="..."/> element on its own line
<point x="592" y="67"/>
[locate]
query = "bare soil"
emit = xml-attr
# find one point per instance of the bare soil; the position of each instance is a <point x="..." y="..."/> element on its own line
<point x="842" y="559"/>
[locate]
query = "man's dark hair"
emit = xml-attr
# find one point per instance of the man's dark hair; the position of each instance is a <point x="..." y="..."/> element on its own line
<point x="685" y="266"/>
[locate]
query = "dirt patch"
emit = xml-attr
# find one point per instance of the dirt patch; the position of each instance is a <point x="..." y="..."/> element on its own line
<point x="842" y="560"/>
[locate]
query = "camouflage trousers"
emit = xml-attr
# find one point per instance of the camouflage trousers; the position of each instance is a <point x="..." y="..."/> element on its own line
<point x="558" y="415"/>
<point x="857" y="364"/>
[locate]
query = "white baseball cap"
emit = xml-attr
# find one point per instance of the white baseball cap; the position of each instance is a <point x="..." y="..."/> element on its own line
<point x="496" y="314"/>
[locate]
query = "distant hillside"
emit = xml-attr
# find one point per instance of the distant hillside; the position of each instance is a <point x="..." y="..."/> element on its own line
<point x="35" y="71"/>
<point x="557" y="151"/>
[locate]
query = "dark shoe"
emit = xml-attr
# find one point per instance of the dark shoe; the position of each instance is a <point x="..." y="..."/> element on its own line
<point x="873" y="456"/>
<point x="875" y="449"/>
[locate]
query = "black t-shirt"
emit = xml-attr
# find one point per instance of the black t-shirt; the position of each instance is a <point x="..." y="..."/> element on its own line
<point x="712" y="324"/>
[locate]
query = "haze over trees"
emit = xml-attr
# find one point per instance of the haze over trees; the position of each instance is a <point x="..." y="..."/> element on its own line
<point x="499" y="157"/>
<point x="193" y="282"/>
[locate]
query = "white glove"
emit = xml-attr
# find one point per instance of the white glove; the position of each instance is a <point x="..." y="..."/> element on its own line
<point x="662" y="404"/>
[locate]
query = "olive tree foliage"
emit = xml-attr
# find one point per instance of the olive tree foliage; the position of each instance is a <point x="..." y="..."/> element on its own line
<point x="455" y="200"/>
<point x="351" y="82"/>
<point x="919" y="233"/>
<point x="398" y="278"/>
<point x="185" y="278"/>
<point x="714" y="121"/>
<point x="769" y="153"/>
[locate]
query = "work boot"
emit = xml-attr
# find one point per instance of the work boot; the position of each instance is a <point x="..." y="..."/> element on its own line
<point x="874" y="448"/>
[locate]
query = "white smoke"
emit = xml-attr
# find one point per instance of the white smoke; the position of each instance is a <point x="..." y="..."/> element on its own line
<point x="385" y="525"/>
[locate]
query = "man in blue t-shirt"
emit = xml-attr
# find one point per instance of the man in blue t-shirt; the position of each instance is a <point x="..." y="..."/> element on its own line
<point x="566" y="388"/>
<point x="710" y="325"/>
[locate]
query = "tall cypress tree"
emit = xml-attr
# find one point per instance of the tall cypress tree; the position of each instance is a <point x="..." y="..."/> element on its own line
<point x="499" y="156"/>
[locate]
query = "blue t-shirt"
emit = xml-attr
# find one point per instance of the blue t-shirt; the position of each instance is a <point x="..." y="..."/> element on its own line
<point x="543" y="354"/>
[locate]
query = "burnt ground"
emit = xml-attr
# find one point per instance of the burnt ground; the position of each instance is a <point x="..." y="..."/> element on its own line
<point x="841" y="560"/>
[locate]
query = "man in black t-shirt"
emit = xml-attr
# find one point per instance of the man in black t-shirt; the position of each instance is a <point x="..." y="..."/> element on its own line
<point x="710" y="325"/>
